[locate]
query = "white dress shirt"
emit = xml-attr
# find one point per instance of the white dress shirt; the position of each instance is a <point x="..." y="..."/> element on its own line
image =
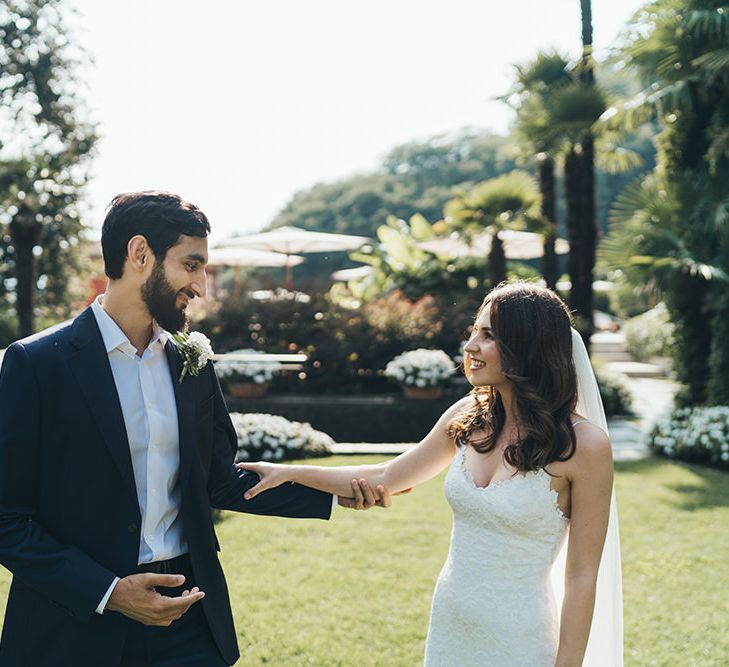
<point x="147" y="398"/>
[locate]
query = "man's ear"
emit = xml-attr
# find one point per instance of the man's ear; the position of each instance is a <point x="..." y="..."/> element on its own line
<point x="139" y="254"/>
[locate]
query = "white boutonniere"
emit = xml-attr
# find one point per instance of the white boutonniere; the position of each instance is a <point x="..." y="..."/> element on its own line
<point x="195" y="349"/>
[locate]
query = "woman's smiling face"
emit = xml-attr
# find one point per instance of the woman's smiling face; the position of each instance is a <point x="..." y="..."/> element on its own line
<point x="481" y="359"/>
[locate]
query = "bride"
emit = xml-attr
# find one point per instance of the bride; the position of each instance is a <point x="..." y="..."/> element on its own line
<point x="534" y="549"/>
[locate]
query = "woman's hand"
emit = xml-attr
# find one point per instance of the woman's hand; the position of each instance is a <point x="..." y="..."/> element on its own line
<point x="271" y="475"/>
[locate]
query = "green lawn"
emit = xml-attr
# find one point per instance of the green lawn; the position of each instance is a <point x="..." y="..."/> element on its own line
<point x="356" y="590"/>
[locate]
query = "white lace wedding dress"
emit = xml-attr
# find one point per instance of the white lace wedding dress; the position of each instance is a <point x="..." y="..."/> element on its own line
<point x="493" y="604"/>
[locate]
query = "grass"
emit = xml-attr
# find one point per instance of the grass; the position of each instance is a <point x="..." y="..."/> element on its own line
<point x="356" y="590"/>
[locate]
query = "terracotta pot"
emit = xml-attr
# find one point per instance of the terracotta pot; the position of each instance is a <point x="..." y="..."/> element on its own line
<point x="247" y="389"/>
<point x="422" y="393"/>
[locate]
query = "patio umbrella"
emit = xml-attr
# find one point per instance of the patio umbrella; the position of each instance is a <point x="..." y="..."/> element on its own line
<point x="246" y="257"/>
<point x="517" y="245"/>
<point x="292" y="240"/>
<point x="345" y="275"/>
<point x="238" y="257"/>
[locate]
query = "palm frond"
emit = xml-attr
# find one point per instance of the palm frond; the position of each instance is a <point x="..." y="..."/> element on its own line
<point x="616" y="159"/>
<point x="708" y="23"/>
<point x="546" y="70"/>
<point x="576" y="106"/>
<point x="715" y="62"/>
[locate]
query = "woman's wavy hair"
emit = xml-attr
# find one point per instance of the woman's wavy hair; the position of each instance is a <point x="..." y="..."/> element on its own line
<point x="531" y="327"/>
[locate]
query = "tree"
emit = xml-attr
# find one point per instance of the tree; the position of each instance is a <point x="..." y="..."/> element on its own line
<point x="414" y="178"/>
<point x="536" y="136"/>
<point x="510" y="201"/>
<point x="554" y="111"/>
<point x="44" y="153"/>
<point x="681" y="52"/>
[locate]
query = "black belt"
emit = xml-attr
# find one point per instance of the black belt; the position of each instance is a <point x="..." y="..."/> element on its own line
<point x="177" y="565"/>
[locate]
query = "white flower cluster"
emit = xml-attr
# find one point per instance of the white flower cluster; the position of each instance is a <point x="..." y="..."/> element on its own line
<point x="421" y="368"/>
<point x="258" y="372"/>
<point x="195" y="350"/>
<point x="201" y="343"/>
<point x="693" y="434"/>
<point x="263" y="437"/>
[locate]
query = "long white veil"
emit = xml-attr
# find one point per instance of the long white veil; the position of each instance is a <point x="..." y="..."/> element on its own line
<point x="605" y="646"/>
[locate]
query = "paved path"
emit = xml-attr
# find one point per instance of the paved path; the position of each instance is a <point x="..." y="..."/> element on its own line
<point x="651" y="396"/>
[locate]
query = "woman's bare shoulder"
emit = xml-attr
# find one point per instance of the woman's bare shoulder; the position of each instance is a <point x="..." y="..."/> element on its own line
<point x="456" y="409"/>
<point x="593" y="451"/>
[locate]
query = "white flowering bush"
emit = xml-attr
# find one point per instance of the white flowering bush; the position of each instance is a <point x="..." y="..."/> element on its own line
<point x="255" y="371"/>
<point x="421" y="368"/>
<point x="693" y="434"/>
<point x="263" y="437"/>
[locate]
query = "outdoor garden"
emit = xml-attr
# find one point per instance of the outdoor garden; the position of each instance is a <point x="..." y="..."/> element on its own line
<point x="612" y="188"/>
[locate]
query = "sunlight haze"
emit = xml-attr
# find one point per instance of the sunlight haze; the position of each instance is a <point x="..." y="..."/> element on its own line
<point x="236" y="106"/>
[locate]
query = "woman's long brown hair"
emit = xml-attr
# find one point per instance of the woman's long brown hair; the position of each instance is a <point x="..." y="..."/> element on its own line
<point x="531" y="327"/>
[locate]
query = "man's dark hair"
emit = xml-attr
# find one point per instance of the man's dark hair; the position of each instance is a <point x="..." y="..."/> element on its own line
<point x="161" y="217"/>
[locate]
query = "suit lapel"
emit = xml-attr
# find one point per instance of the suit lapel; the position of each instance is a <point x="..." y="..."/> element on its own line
<point x="185" y="399"/>
<point x="90" y="365"/>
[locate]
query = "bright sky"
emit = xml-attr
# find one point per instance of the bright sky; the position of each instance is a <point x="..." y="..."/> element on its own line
<point x="237" y="105"/>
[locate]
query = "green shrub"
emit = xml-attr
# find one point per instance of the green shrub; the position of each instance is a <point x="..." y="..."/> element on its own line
<point x="614" y="391"/>
<point x="347" y="349"/>
<point x="650" y="334"/>
<point x="698" y="434"/>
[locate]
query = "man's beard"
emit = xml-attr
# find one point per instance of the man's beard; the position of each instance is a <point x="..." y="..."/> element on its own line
<point x="161" y="300"/>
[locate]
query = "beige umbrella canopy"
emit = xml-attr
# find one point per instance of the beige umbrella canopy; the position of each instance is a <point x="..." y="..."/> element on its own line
<point x="238" y="257"/>
<point x="345" y="275"/>
<point x="517" y="245"/>
<point x="247" y="257"/>
<point x="292" y="240"/>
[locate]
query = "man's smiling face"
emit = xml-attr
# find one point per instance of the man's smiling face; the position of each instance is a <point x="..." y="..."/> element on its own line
<point x="176" y="281"/>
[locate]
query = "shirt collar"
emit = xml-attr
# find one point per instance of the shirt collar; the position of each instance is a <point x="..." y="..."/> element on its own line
<point x="112" y="335"/>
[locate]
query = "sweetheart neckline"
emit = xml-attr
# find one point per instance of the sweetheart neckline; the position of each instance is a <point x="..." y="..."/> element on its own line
<point x="501" y="482"/>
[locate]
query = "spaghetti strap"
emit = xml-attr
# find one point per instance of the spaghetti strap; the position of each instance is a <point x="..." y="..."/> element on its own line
<point x="579" y="421"/>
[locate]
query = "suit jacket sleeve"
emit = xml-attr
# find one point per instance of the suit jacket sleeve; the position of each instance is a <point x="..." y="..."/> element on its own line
<point x="59" y="571"/>
<point x="227" y="484"/>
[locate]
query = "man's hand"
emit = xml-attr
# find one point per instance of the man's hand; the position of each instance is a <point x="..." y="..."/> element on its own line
<point x="364" y="498"/>
<point x="135" y="597"/>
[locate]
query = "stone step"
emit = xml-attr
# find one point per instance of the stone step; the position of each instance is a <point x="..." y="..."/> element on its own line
<point x="608" y="347"/>
<point x="636" y="369"/>
<point x="612" y="355"/>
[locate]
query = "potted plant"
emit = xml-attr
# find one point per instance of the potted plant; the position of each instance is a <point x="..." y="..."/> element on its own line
<point x="421" y="373"/>
<point x="249" y="378"/>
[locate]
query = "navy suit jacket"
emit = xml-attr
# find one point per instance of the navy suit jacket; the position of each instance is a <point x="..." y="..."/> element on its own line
<point x="69" y="513"/>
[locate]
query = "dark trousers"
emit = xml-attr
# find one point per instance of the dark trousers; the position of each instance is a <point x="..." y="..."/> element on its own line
<point x="186" y="643"/>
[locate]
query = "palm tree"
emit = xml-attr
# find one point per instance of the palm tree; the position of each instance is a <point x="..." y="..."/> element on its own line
<point x="555" y="111"/>
<point x="535" y="132"/>
<point x="510" y="201"/>
<point x="681" y="50"/>
<point x="580" y="191"/>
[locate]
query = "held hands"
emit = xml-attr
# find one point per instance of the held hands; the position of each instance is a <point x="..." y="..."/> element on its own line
<point x="135" y="597"/>
<point x="364" y="498"/>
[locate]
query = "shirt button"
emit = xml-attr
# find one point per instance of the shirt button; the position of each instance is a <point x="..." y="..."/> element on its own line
<point x="132" y="527"/>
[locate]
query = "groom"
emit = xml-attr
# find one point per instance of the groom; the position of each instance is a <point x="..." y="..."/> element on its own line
<point x="109" y="466"/>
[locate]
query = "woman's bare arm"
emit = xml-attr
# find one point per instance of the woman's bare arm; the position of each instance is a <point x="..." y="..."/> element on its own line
<point x="592" y="480"/>
<point x="411" y="468"/>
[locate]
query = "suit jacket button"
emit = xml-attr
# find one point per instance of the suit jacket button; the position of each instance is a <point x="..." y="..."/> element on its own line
<point x="132" y="527"/>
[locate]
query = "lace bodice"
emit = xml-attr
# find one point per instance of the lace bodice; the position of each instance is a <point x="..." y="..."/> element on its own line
<point x="493" y="603"/>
